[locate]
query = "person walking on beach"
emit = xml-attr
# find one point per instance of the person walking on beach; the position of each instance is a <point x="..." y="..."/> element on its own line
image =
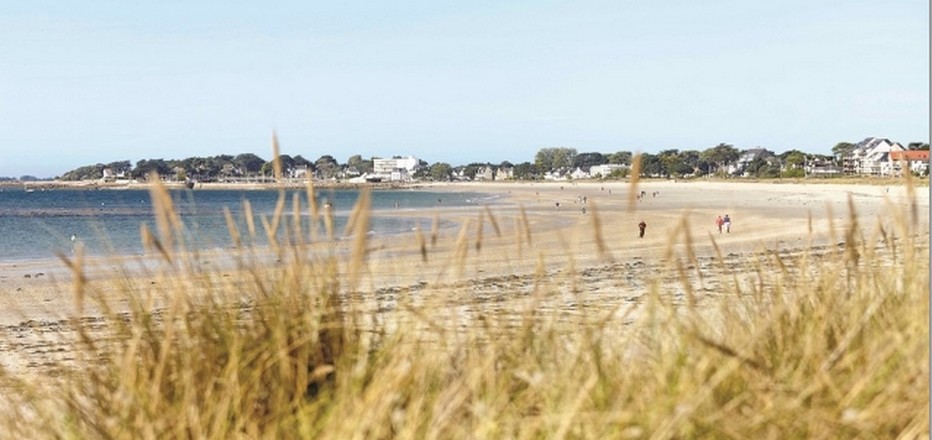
<point x="727" y="222"/>
<point x="641" y="227"/>
<point x="719" y="222"/>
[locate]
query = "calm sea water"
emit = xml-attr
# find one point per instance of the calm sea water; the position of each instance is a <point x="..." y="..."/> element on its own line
<point x="36" y="225"/>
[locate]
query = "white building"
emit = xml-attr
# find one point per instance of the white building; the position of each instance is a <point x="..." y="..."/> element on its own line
<point x="871" y="157"/>
<point x="580" y="174"/>
<point x="822" y="168"/>
<point x="485" y="173"/>
<point x="109" y="175"/>
<point x="916" y="161"/>
<point x="396" y="168"/>
<point x="605" y="170"/>
<point x="490" y="172"/>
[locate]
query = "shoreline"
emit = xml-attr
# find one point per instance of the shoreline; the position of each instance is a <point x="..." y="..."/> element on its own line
<point x="765" y="215"/>
<point x="541" y="197"/>
<point x="596" y="252"/>
<point x="612" y="197"/>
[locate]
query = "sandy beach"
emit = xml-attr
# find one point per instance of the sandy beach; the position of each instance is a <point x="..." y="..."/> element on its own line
<point x="582" y="235"/>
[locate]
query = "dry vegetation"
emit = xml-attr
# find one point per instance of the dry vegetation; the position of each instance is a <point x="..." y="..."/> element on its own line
<point x="829" y="342"/>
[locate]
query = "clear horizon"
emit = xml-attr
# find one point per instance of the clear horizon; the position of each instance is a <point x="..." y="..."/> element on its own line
<point x="484" y="82"/>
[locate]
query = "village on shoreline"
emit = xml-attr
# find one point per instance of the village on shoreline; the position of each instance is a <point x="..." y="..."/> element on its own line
<point x="50" y="185"/>
<point x="873" y="159"/>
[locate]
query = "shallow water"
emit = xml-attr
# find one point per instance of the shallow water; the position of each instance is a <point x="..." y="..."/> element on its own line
<point x="37" y="224"/>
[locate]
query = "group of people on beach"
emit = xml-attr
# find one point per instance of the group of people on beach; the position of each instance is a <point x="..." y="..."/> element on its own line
<point x="723" y="222"/>
<point x="642" y="194"/>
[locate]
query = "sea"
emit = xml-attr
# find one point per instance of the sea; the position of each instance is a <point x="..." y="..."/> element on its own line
<point x="38" y="224"/>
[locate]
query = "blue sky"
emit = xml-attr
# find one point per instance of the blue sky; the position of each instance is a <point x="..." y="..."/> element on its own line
<point x="458" y="82"/>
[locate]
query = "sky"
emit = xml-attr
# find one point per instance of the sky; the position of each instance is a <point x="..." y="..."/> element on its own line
<point x="86" y="82"/>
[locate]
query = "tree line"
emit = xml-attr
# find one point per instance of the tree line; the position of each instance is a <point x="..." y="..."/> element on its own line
<point x="220" y="167"/>
<point x="720" y="160"/>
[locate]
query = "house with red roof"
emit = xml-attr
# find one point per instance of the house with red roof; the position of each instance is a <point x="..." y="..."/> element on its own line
<point x="917" y="161"/>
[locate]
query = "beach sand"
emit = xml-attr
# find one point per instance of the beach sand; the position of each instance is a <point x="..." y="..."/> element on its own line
<point x="587" y="248"/>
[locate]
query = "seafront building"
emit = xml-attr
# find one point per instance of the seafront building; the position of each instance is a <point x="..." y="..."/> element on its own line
<point x="916" y="161"/>
<point x="395" y="169"/>
<point x="605" y="170"/>
<point x="490" y="172"/>
<point x="872" y="157"/>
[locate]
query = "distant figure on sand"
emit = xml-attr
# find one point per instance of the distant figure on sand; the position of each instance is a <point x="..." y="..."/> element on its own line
<point x="719" y="222"/>
<point x="727" y="222"/>
<point x="641" y="227"/>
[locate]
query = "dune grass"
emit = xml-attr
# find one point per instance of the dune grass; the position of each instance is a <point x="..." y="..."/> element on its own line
<point x="829" y="342"/>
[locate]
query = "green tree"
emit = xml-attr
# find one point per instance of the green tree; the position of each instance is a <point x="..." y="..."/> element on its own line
<point x="620" y="158"/>
<point x="651" y="166"/>
<point x="357" y="165"/>
<point x="842" y="149"/>
<point x="691" y="163"/>
<point x="248" y="163"/>
<point x="721" y="155"/>
<point x="217" y="164"/>
<point x="287" y="164"/>
<point x="793" y="159"/>
<point x="327" y="167"/>
<point x="527" y="171"/>
<point x="673" y="163"/>
<point x="300" y="161"/>
<point x="144" y="167"/>
<point x="918" y="146"/>
<point x="585" y="161"/>
<point x="120" y="166"/>
<point x="441" y="172"/>
<point x="618" y="174"/>
<point x="763" y="167"/>
<point x="203" y="169"/>
<point x="550" y="159"/>
<point x="87" y="172"/>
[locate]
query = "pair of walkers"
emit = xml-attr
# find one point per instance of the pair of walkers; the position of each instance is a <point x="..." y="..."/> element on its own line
<point x="723" y="223"/>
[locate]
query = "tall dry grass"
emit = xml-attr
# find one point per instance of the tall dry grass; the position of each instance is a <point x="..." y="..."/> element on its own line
<point x="829" y="342"/>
